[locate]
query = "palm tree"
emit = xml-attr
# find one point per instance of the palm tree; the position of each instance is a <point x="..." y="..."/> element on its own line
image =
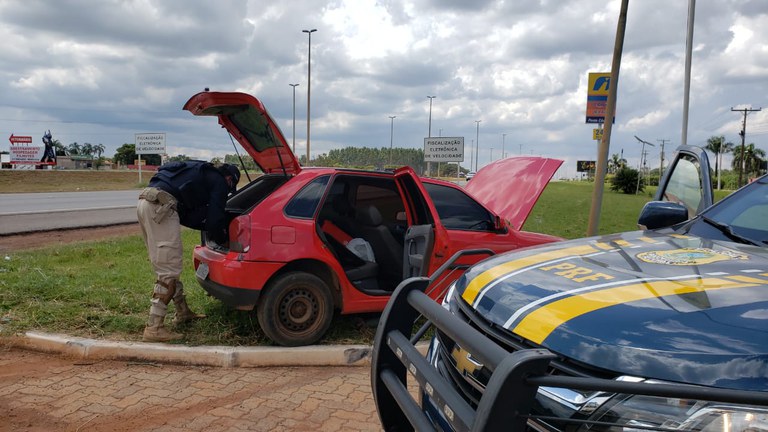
<point x="753" y="159"/>
<point x="716" y="145"/>
<point x="74" y="148"/>
<point x="99" y="149"/>
<point x="615" y="163"/>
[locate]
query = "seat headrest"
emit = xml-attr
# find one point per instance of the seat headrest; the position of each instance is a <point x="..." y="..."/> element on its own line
<point x="369" y="216"/>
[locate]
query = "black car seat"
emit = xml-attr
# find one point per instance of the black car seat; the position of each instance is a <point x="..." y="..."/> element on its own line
<point x="387" y="251"/>
<point x="363" y="274"/>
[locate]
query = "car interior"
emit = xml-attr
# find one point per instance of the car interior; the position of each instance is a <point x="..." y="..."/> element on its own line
<point x="367" y="211"/>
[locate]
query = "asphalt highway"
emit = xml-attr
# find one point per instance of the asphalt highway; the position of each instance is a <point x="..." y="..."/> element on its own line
<point x="27" y="212"/>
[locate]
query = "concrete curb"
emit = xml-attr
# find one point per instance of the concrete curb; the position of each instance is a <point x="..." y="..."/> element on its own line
<point x="215" y="356"/>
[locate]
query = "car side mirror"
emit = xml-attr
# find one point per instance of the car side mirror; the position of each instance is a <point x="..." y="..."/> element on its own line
<point x="661" y="214"/>
<point x="499" y="225"/>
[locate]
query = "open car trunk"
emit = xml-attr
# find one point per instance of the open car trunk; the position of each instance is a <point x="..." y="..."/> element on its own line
<point x="243" y="201"/>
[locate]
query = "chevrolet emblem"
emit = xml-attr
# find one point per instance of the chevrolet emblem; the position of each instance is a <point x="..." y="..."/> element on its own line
<point x="464" y="362"/>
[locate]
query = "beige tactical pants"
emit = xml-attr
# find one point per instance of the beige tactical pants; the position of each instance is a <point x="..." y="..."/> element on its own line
<point x="163" y="242"/>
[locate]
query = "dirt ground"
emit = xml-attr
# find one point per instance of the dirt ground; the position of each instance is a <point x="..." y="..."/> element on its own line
<point x="47" y="238"/>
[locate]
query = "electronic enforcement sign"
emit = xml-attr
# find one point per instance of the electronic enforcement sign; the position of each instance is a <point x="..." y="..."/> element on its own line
<point x="444" y="149"/>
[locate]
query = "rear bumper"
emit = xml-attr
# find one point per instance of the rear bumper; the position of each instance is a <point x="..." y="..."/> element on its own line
<point x="236" y="298"/>
<point x="228" y="278"/>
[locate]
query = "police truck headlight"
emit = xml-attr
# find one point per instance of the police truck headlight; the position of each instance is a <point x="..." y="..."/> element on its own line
<point x="449" y="296"/>
<point x="642" y="413"/>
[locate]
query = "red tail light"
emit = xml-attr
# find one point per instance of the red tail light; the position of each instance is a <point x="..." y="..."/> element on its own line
<point x="240" y="234"/>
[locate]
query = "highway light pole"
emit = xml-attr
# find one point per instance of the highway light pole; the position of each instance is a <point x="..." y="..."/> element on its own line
<point x="477" y="143"/>
<point x="391" y="136"/>
<point x="309" y="70"/>
<point x="503" y="138"/>
<point x="429" y="135"/>
<point x="294" y="117"/>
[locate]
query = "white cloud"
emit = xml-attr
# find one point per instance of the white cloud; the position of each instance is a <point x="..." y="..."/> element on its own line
<point x="99" y="72"/>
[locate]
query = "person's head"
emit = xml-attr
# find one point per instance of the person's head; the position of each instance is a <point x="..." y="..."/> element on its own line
<point x="232" y="174"/>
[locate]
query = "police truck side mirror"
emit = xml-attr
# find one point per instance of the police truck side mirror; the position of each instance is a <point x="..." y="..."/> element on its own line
<point x="661" y="214"/>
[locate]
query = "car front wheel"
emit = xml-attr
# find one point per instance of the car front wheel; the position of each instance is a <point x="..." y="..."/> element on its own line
<point x="296" y="309"/>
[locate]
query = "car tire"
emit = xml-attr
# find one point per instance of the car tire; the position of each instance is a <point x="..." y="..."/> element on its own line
<point x="295" y="309"/>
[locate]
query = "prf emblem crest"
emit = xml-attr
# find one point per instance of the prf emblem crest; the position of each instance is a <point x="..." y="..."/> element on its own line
<point x="689" y="256"/>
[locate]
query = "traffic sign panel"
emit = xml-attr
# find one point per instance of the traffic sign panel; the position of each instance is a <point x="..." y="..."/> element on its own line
<point x="20" y="139"/>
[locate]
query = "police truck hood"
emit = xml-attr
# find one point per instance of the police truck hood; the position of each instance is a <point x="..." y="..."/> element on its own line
<point x="248" y="121"/>
<point x="664" y="306"/>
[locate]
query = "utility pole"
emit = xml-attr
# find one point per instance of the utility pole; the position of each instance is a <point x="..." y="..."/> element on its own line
<point x="661" y="163"/>
<point x="642" y="162"/>
<point x="610" y="112"/>
<point x="743" y="134"/>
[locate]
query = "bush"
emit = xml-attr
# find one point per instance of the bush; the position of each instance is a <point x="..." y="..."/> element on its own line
<point x="625" y="180"/>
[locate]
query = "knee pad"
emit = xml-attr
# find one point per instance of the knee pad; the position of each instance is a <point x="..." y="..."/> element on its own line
<point x="164" y="291"/>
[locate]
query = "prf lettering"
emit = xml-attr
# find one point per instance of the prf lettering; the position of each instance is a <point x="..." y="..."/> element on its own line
<point x="576" y="273"/>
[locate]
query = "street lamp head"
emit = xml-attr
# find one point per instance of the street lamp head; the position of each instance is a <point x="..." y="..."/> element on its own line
<point x="309" y="31"/>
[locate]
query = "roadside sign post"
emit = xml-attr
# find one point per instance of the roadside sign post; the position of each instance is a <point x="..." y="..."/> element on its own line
<point x="149" y="143"/>
<point x="444" y="149"/>
<point x="23" y="155"/>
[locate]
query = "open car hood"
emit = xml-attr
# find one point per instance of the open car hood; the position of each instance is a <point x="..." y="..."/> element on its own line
<point x="248" y="121"/>
<point x="510" y="187"/>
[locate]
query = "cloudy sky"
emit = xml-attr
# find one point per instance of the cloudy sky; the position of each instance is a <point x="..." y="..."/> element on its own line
<point x="100" y="71"/>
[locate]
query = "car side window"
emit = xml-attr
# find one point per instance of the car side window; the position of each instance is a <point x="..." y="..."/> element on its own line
<point x="304" y="203"/>
<point x="458" y="210"/>
<point x="685" y="185"/>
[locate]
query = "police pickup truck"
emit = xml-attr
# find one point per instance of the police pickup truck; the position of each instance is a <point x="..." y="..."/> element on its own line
<point x="663" y="329"/>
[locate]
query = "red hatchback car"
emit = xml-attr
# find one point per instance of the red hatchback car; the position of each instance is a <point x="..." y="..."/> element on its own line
<point x="305" y="242"/>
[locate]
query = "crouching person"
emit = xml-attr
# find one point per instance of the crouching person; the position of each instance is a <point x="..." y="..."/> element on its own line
<point x="192" y="194"/>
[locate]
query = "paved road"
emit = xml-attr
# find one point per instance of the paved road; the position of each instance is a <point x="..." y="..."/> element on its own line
<point x="48" y="211"/>
<point x="59" y="201"/>
<point x="42" y="392"/>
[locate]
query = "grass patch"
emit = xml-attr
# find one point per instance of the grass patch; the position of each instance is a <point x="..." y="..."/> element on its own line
<point x="103" y="289"/>
<point x="18" y="181"/>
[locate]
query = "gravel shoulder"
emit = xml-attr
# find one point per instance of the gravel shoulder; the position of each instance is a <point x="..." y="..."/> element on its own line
<point x="41" y="239"/>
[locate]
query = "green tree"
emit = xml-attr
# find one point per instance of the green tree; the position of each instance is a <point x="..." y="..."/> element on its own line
<point x="615" y="163"/>
<point x="178" y="158"/>
<point x="626" y="181"/>
<point x="247" y="161"/>
<point x="125" y="154"/>
<point x="753" y="158"/>
<point x="717" y="146"/>
<point x="60" y="149"/>
<point x="74" y="149"/>
<point x="99" y="149"/>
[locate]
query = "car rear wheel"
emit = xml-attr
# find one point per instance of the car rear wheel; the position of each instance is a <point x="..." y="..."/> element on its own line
<point x="296" y="309"/>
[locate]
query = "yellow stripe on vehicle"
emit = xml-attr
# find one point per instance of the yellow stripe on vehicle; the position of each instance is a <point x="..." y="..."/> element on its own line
<point x="604" y="246"/>
<point x="539" y="324"/>
<point x="475" y="285"/>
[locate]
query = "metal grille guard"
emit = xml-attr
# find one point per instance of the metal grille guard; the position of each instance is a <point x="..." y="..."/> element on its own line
<point x="511" y="390"/>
